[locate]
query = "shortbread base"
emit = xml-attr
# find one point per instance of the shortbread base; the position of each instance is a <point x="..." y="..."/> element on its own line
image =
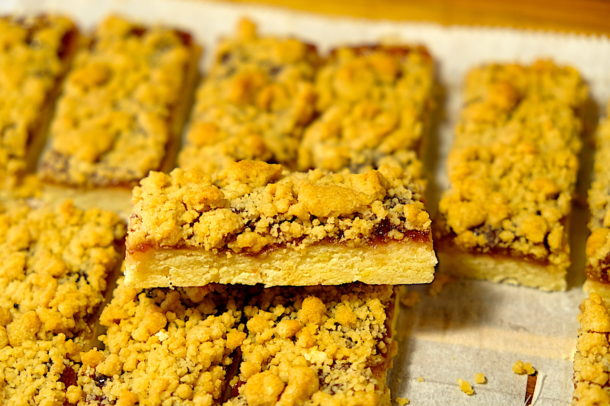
<point x="602" y="289"/>
<point x="404" y="262"/>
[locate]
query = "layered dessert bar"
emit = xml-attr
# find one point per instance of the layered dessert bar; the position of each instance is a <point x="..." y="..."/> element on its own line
<point x="56" y="263"/>
<point x="373" y="102"/>
<point x="592" y="359"/>
<point x="34" y="54"/>
<point x="254" y="103"/>
<point x="255" y="222"/>
<point x="598" y="243"/>
<point x="243" y="346"/>
<point x="122" y="108"/>
<point x="512" y="169"/>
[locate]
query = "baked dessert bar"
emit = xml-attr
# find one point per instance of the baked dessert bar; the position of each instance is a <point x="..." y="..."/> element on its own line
<point x="243" y="345"/>
<point x="254" y="103"/>
<point x="56" y="263"/>
<point x="34" y="54"/>
<point x="512" y="169"/>
<point x="592" y="358"/>
<point x="598" y="243"/>
<point x="255" y="222"/>
<point x="373" y="102"/>
<point x="122" y="107"/>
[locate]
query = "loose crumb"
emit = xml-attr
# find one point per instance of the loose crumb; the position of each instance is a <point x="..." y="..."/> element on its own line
<point x="410" y="298"/>
<point x="523" y="368"/>
<point x="402" y="401"/>
<point x="420" y="379"/>
<point x="440" y="280"/>
<point x="465" y="387"/>
<point x="480" y="378"/>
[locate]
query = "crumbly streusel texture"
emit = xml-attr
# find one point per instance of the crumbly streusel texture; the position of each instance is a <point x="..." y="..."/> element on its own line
<point x="116" y="114"/>
<point x="252" y="205"/>
<point x="598" y="243"/>
<point x="592" y="359"/>
<point x="243" y="345"/>
<point x="514" y="163"/>
<point x="254" y="102"/>
<point x="33" y="56"/>
<point x="373" y="102"/>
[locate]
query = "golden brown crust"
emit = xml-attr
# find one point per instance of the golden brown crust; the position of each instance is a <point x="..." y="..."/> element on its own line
<point x="34" y="55"/>
<point x="254" y="103"/>
<point x="373" y="101"/>
<point x="252" y="206"/>
<point x="115" y="119"/>
<point x="514" y="163"/>
<point x="592" y="359"/>
<point x="598" y="243"/>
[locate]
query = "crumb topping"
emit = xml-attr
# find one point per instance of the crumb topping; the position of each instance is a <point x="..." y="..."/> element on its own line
<point x="373" y="102"/>
<point x="480" y="378"/>
<point x="254" y="103"/>
<point x="465" y="387"/>
<point x="514" y="161"/>
<point x="114" y="118"/>
<point x="53" y="271"/>
<point x="523" y="368"/>
<point x="598" y="243"/>
<point x="252" y="205"/>
<point x="33" y="55"/>
<point x="592" y="359"/>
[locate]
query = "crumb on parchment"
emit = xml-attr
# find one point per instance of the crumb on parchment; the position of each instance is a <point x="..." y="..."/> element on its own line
<point x="402" y="401"/>
<point x="480" y="378"/>
<point x="523" y="368"/>
<point x="465" y="387"/>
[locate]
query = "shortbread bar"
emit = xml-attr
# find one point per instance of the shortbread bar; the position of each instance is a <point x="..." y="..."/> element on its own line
<point x="243" y="345"/>
<point x="592" y="359"/>
<point x="34" y="53"/>
<point x="254" y="103"/>
<point x="598" y="243"/>
<point x="259" y="223"/>
<point x="373" y="102"/>
<point x="122" y="107"/>
<point x="512" y="170"/>
<point x="56" y="263"/>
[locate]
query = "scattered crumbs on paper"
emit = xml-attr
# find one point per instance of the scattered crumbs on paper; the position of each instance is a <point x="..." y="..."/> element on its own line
<point x="402" y="401"/>
<point x="523" y="368"/>
<point x="410" y="298"/>
<point x="465" y="387"/>
<point x="420" y="379"/>
<point x="439" y="282"/>
<point x="480" y="378"/>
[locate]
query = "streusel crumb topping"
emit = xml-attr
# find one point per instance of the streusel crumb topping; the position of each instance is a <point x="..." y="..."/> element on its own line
<point x="598" y="243"/>
<point x="592" y="359"/>
<point x="53" y="268"/>
<point x="33" y="55"/>
<point x="514" y="161"/>
<point x="252" y="205"/>
<point x="374" y="101"/>
<point x="254" y="103"/>
<point x="114" y="118"/>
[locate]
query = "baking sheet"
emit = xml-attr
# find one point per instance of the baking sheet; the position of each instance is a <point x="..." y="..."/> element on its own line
<point x="470" y="326"/>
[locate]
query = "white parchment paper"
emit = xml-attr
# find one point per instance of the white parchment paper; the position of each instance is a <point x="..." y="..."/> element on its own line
<point x="470" y="326"/>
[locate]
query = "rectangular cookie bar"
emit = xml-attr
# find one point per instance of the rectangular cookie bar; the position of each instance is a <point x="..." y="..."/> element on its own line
<point x="243" y="345"/>
<point x="56" y="264"/>
<point x="373" y="102"/>
<point x="34" y="54"/>
<point x="598" y="243"/>
<point x="254" y="103"/>
<point x="592" y="358"/>
<point x="512" y="170"/>
<point x="255" y="222"/>
<point x="122" y="107"/>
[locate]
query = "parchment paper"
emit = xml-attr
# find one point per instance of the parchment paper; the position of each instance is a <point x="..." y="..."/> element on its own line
<point x="470" y="326"/>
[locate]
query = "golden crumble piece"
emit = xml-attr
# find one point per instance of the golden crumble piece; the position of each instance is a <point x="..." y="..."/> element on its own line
<point x="465" y="387"/>
<point x="34" y="53"/>
<point x="592" y="359"/>
<point x="480" y="378"/>
<point x="403" y="401"/>
<point x="54" y="268"/>
<point x="122" y="105"/>
<point x="523" y="368"/>
<point x="373" y="102"/>
<point x="338" y="352"/>
<point x="246" y="223"/>
<point x="254" y="103"/>
<point x="165" y="346"/>
<point x="512" y="170"/>
<point x="598" y="243"/>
